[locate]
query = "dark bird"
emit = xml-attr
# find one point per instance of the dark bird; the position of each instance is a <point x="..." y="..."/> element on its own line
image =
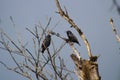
<point x="72" y="37"/>
<point x="46" y="43"/>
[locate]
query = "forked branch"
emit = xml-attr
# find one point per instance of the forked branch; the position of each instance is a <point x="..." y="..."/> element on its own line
<point x="71" y="22"/>
<point x="86" y="69"/>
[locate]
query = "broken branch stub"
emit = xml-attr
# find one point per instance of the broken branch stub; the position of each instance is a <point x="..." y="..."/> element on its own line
<point x="86" y="69"/>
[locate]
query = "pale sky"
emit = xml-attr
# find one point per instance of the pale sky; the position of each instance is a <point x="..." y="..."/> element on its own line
<point x="92" y="16"/>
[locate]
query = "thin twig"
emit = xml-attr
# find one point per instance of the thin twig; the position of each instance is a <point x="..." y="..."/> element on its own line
<point x="9" y="50"/>
<point x="75" y="51"/>
<point x="53" y="66"/>
<point x="66" y="40"/>
<point x="25" y="74"/>
<point x="114" y="29"/>
<point x="12" y="41"/>
<point x="31" y="32"/>
<point x="31" y="55"/>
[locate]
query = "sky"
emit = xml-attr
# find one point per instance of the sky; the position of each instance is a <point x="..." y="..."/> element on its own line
<point x="92" y="17"/>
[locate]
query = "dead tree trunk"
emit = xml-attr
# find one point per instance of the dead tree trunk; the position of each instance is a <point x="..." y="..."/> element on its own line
<point x="86" y="69"/>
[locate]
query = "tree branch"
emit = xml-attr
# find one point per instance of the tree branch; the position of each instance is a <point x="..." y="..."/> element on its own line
<point x="70" y="21"/>
<point x="86" y="69"/>
<point x="114" y="30"/>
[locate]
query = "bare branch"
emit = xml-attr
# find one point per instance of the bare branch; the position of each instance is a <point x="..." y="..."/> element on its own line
<point x="31" y="32"/>
<point x="86" y="69"/>
<point x="31" y="55"/>
<point x="70" y="21"/>
<point x="11" y="41"/>
<point x="54" y="67"/>
<point x="66" y="40"/>
<point x="12" y="21"/>
<point x="9" y="50"/>
<point x="25" y="74"/>
<point x="75" y="51"/>
<point x="114" y="29"/>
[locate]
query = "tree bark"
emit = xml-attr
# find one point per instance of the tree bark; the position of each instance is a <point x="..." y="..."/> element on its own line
<point x="86" y="69"/>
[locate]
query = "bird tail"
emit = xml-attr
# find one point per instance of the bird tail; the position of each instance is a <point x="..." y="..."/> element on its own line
<point x="42" y="50"/>
<point x="79" y="44"/>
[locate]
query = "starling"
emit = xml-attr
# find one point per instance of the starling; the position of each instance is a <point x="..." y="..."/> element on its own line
<point x="72" y="37"/>
<point x="46" y="43"/>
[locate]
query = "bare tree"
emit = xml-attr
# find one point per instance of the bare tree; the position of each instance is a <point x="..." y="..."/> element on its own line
<point x="86" y="69"/>
<point x="51" y="65"/>
<point x="43" y="66"/>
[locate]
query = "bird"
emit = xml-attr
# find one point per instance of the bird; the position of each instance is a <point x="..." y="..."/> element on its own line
<point x="46" y="43"/>
<point x="72" y="37"/>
